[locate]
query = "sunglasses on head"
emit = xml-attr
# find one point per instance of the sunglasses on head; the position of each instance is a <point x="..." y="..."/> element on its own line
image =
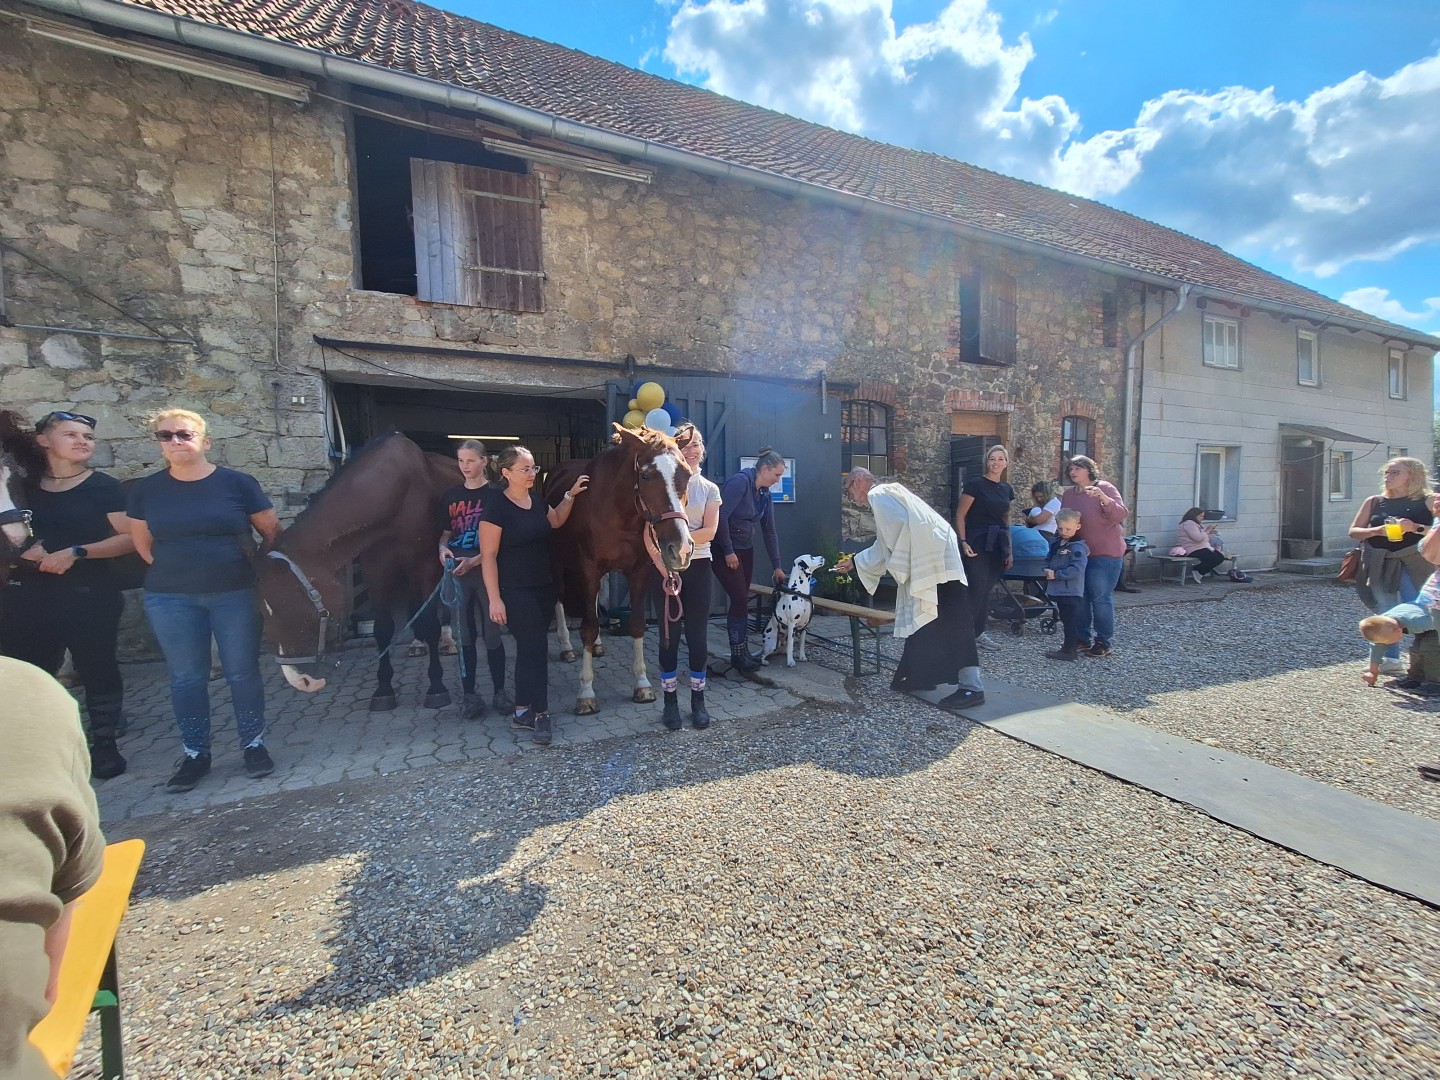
<point x="49" y="420"/>
<point x="183" y="436"/>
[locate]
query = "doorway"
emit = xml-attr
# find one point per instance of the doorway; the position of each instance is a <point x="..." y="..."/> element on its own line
<point x="1302" y="474"/>
<point x="967" y="459"/>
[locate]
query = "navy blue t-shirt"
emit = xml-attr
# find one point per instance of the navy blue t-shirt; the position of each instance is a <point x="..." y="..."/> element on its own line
<point x="202" y="532"/>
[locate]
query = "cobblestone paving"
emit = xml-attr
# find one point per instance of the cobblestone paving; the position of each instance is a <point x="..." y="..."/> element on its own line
<point x="330" y="736"/>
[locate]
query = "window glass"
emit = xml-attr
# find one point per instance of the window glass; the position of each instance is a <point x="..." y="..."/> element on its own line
<point x="1221" y="342"/>
<point x="1307" y="357"/>
<point x="865" y="437"/>
<point x="1340" y="465"/>
<point x="1396" y="373"/>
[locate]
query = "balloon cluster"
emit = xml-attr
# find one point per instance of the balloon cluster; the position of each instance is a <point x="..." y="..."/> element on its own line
<point x="648" y="409"/>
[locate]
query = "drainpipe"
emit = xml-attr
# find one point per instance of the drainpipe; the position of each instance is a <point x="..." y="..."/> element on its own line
<point x="1126" y="468"/>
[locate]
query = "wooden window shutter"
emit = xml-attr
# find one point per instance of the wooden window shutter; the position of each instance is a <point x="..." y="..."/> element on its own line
<point x="997" y="318"/>
<point x="477" y="236"/>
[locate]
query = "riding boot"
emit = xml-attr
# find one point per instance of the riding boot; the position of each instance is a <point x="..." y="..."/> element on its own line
<point x="671" y="716"/>
<point x="699" y="716"/>
<point x="740" y="656"/>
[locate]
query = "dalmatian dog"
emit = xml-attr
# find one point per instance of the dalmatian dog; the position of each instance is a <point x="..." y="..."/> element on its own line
<point x="793" y="611"/>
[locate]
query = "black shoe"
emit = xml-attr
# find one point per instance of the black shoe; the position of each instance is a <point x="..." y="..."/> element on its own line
<point x="1429" y="772"/>
<point x="1098" y="650"/>
<point x="1061" y="654"/>
<point x="671" y="716"/>
<point x="544" y="732"/>
<point x="105" y="760"/>
<point x="742" y="661"/>
<point x="1409" y="682"/>
<point x="962" y="699"/>
<point x="699" y="716"/>
<point x="524" y="721"/>
<point x="189" y="773"/>
<point x="474" y="707"/>
<point x="503" y="701"/>
<point x="258" y="762"/>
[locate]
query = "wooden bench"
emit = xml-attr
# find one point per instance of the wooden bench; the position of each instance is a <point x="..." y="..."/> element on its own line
<point x="862" y="619"/>
<point x="1185" y="563"/>
<point x="89" y="981"/>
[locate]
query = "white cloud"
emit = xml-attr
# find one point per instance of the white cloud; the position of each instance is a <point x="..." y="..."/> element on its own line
<point x="1344" y="175"/>
<point x="1378" y="302"/>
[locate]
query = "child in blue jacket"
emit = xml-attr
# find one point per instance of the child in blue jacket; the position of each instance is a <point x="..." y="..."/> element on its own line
<point x="1065" y="581"/>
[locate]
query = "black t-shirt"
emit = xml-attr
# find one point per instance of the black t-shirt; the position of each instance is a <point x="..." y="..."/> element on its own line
<point x="460" y="512"/>
<point x="991" y="505"/>
<point x="63" y="519"/>
<point x="524" y="560"/>
<point x="202" y="532"/>
<point x="1404" y="507"/>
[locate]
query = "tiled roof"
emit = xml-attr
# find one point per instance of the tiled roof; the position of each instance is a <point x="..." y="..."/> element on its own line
<point x="425" y="41"/>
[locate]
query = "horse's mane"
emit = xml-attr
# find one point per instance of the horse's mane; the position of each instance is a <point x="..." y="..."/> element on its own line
<point x="17" y="438"/>
<point x="366" y="450"/>
<point x="657" y="439"/>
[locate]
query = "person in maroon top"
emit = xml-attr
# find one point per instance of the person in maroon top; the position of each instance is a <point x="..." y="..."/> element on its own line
<point x="461" y="508"/>
<point x="1102" y="526"/>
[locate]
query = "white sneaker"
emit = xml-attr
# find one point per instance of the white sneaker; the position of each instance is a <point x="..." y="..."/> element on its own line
<point x="985" y="641"/>
<point x="1196" y="575"/>
<point x="1392" y="665"/>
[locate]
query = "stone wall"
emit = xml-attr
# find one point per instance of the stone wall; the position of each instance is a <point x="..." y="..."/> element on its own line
<point x="224" y="217"/>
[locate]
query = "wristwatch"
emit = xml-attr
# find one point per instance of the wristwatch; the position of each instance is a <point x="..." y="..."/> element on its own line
<point x="79" y="552"/>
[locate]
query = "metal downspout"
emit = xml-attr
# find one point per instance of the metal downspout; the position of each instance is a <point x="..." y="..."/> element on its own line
<point x="1126" y="458"/>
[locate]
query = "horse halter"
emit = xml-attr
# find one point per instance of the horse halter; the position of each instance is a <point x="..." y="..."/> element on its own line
<point x="669" y="579"/>
<point x="313" y="594"/>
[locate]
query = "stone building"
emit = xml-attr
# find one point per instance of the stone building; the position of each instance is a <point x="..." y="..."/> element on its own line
<point x="315" y="222"/>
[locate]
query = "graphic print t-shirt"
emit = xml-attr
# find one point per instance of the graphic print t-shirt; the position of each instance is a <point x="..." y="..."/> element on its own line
<point x="460" y="512"/>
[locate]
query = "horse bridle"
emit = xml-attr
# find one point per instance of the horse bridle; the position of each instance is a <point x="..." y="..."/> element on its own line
<point x="669" y="579"/>
<point x="319" y="604"/>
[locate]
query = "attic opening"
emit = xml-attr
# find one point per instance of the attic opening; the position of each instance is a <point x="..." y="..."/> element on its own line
<point x="445" y="220"/>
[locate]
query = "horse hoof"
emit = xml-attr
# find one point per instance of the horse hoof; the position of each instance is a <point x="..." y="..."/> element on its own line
<point x="417" y="648"/>
<point x="569" y="656"/>
<point x="383" y="703"/>
<point x="587" y="706"/>
<point x="644" y="695"/>
<point x="597" y="649"/>
<point x="437" y="701"/>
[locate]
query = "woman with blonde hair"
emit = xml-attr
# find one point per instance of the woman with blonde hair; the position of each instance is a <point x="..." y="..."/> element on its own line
<point x="1388" y="528"/>
<point x="982" y="524"/>
<point x="194" y="523"/>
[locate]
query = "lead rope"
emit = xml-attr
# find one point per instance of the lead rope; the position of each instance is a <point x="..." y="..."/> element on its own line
<point x="450" y="596"/>
<point x="673" y="609"/>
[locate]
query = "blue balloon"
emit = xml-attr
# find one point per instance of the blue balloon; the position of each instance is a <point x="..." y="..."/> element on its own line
<point x="673" y="411"/>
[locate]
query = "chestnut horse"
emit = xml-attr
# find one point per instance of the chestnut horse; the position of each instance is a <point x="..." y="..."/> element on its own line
<point x="20" y="459"/>
<point x="637" y="493"/>
<point x="380" y="511"/>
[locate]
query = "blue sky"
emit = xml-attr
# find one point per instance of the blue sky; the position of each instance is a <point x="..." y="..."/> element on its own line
<point x="1303" y="135"/>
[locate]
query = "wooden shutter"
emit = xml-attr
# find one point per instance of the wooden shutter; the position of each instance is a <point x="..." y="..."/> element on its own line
<point x="477" y="236"/>
<point x="997" y="318"/>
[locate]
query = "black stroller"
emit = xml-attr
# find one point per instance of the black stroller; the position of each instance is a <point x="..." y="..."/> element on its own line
<point x="1029" y="601"/>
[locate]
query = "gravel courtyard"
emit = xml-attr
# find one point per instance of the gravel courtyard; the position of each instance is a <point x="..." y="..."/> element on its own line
<point x="881" y="890"/>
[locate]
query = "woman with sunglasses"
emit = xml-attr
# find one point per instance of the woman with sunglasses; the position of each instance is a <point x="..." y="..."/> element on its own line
<point x="193" y="522"/>
<point x="73" y="602"/>
<point x="515" y="565"/>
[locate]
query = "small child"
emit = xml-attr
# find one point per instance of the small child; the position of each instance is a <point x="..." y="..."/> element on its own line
<point x="1385" y="630"/>
<point x="1065" y="580"/>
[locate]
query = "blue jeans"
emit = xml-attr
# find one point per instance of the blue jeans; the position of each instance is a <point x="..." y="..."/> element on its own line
<point x="184" y="624"/>
<point x="1096" y="621"/>
<point x="1384" y="601"/>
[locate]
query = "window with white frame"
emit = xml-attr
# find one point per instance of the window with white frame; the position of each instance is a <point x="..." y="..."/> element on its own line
<point x="1222" y="342"/>
<point x="1395" y="373"/>
<point x="1392" y="452"/>
<point x="1307" y="357"/>
<point x="1217" y="479"/>
<point x="1341" y="465"/>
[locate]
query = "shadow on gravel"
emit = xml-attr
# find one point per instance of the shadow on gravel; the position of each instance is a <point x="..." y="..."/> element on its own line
<point x="436" y="885"/>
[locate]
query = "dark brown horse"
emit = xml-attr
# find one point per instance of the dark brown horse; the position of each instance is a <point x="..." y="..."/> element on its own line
<point x="637" y="489"/>
<point x="378" y="511"/>
<point x="21" y="460"/>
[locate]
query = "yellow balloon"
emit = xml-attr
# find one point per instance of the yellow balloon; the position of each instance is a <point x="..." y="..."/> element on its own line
<point x="651" y="395"/>
<point x="633" y="419"/>
<point x="633" y="405"/>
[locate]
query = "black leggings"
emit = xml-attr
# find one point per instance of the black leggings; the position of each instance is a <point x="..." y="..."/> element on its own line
<point x="41" y="621"/>
<point x="695" y="596"/>
<point x="736" y="583"/>
<point x="981" y="574"/>
<point x="1207" y="559"/>
<point x="528" y="612"/>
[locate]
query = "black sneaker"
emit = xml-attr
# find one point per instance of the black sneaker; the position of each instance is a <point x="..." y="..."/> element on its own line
<point x="258" y="762"/>
<point x="524" y="721"/>
<point x="189" y="773"/>
<point x="1060" y="654"/>
<point x="964" y="698"/>
<point x="543" y="730"/>
<point x="1098" y="649"/>
<point x="105" y="760"/>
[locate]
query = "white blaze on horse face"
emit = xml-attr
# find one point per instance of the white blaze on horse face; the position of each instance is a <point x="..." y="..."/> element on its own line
<point x="668" y="466"/>
<point x="15" y="532"/>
